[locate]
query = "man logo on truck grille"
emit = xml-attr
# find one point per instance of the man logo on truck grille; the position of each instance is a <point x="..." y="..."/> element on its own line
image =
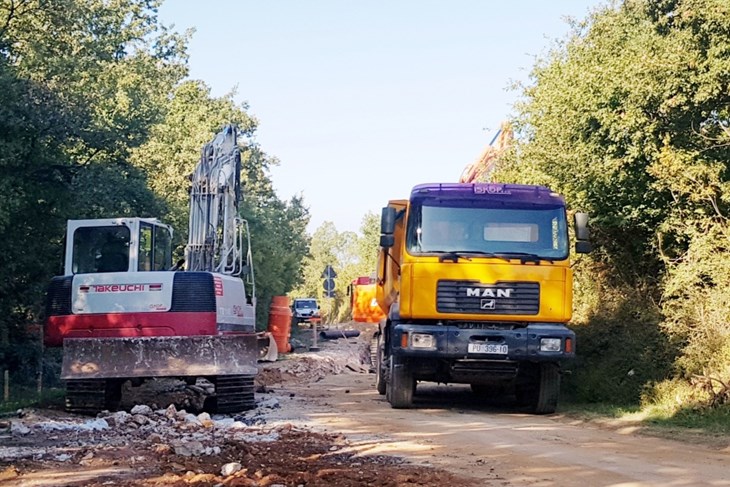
<point x="487" y="304"/>
<point x="486" y="292"/>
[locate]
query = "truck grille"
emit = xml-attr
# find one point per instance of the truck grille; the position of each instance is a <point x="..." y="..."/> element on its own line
<point x="488" y="325"/>
<point x="474" y="297"/>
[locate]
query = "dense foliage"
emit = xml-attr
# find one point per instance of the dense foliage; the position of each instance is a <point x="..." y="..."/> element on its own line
<point x="629" y="118"/>
<point x="97" y="120"/>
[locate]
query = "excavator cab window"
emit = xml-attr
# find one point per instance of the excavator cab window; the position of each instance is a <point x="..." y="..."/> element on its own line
<point x="154" y="248"/>
<point x="101" y="249"/>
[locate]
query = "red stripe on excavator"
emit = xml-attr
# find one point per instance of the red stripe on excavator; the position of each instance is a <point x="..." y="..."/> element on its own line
<point x="218" y="283"/>
<point x="118" y="325"/>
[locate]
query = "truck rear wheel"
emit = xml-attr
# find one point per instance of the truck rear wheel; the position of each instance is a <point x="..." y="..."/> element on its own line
<point x="373" y="353"/>
<point x="540" y="391"/>
<point x="401" y="386"/>
<point x="380" y="383"/>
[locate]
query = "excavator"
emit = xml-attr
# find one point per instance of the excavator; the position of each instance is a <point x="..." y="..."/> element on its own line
<point x="123" y="312"/>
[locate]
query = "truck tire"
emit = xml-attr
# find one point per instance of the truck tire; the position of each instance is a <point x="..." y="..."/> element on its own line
<point x="539" y="394"/>
<point x="373" y="353"/>
<point x="401" y="386"/>
<point x="380" y="383"/>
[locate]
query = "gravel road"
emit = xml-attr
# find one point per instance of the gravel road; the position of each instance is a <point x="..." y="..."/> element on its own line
<point x="319" y="421"/>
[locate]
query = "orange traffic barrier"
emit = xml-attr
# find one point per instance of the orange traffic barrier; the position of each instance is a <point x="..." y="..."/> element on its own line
<point x="280" y="322"/>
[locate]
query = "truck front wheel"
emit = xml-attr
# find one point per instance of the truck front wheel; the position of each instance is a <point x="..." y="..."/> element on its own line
<point x="399" y="390"/>
<point x="540" y="388"/>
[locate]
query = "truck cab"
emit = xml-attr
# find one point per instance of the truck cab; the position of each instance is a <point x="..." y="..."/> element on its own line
<point x="476" y="285"/>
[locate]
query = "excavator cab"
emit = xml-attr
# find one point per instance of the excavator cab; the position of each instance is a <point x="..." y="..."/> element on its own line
<point x="118" y="245"/>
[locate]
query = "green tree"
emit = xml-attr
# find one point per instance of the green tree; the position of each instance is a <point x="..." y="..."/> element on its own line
<point x="325" y="245"/>
<point x="82" y="81"/>
<point x="367" y="244"/>
<point x="628" y="118"/>
<point x="351" y="255"/>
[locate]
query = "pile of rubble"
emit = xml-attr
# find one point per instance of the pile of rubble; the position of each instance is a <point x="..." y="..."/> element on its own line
<point x="347" y="354"/>
<point x="147" y="445"/>
<point x="162" y="431"/>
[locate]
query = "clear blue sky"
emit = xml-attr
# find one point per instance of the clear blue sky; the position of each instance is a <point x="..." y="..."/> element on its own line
<point x="360" y="101"/>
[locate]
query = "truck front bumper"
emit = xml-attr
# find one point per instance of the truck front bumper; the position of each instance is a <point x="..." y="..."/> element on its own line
<point x="537" y="342"/>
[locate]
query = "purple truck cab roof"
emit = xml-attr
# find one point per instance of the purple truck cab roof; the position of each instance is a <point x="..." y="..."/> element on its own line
<point x="517" y="194"/>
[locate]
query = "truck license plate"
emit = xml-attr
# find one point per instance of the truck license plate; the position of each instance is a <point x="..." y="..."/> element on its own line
<point x="487" y="348"/>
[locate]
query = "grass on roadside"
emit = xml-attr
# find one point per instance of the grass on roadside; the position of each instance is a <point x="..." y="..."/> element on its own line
<point x="711" y="422"/>
<point x="24" y="398"/>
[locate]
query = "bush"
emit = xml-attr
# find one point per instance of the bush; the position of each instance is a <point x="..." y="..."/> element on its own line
<point x="619" y="342"/>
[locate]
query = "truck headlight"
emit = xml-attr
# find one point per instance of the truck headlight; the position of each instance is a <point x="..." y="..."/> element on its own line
<point x="421" y="340"/>
<point x="550" y="344"/>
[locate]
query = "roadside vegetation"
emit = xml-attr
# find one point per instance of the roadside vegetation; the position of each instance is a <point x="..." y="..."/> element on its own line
<point x="350" y="254"/>
<point x="629" y="118"/>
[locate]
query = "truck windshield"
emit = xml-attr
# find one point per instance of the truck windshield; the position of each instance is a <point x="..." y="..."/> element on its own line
<point x="439" y="226"/>
<point x="307" y="304"/>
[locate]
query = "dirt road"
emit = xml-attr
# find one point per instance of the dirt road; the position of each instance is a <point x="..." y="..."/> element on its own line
<point x="450" y="429"/>
<point x="320" y="422"/>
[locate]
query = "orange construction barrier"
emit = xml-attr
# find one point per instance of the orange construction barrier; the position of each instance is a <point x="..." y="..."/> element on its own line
<point x="280" y="322"/>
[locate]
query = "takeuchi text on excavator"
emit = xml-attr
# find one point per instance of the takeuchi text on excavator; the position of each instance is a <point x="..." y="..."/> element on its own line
<point x="122" y="312"/>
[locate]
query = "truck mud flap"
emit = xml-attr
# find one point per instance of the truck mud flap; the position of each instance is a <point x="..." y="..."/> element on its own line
<point x="104" y="358"/>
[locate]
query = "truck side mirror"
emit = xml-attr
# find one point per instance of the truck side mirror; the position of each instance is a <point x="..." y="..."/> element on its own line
<point x="581" y="226"/>
<point x="582" y="234"/>
<point x="387" y="227"/>
<point x="387" y="241"/>
<point x="387" y="221"/>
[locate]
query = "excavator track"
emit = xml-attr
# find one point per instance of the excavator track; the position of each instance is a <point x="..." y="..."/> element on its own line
<point x="89" y="396"/>
<point x="233" y="394"/>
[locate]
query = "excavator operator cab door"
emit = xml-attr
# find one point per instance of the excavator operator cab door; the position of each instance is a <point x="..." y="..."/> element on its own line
<point x="117" y="245"/>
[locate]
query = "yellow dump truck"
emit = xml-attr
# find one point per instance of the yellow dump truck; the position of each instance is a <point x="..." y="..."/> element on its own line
<point x="476" y="286"/>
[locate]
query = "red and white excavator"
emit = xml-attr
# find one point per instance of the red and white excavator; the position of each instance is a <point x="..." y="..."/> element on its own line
<point x="122" y="311"/>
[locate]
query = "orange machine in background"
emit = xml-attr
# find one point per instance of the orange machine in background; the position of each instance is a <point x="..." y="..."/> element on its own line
<point x="364" y="307"/>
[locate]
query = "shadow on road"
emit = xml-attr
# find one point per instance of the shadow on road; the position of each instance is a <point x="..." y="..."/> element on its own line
<point x="460" y="398"/>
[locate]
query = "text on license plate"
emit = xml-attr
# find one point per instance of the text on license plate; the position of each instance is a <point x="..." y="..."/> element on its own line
<point x="487" y="348"/>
